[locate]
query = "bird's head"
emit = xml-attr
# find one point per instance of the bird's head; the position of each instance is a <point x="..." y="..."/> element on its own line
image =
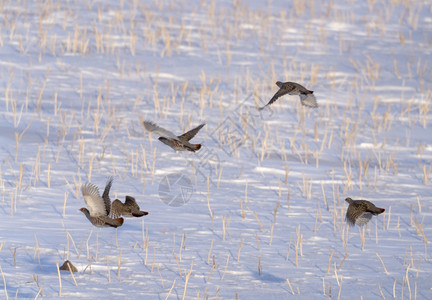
<point x="279" y="83"/>
<point x="84" y="210"/>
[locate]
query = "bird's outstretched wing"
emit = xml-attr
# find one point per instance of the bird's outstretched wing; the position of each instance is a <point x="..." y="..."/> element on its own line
<point x="308" y="100"/>
<point x="153" y="128"/>
<point x="105" y="195"/>
<point x="363" y="219"/>
<point x="191" y="133"/>
<point x="130" y="201"/>
<point x="93" y="200"/>
<point x="282" y="91"/>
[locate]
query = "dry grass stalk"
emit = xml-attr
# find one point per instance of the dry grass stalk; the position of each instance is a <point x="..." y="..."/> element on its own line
<point x="362" y="236"/>
<point x="14" y="256"/>
<point x="146" y="246"/>
<point x="119" y="264"/>
<point x="219" y="177"/>
<point x="87" y="244"/>
<point x="211" y="270"/>
<point x="182" y="245"/>
<point x="169" y="292"/>
<point x="406" y="280"/>
<point x="178" y="265"/>
<point x="259" y="222"/>
<point x="36" y="251"/>
<point x="243" y="212"/>
<point x="226" y="266"/>
<point x="420" y="231"/>
<point x="394" y="288"/>
<point x="257" y="241"/>
<point x="275" y="210"/>
<point x="160" y="275"/>
<point x="259" y="266"/>
<point x="59" y="277"/>
<point x="36" y="279"/>
<point x="318" y="216"/>
<point x="210" y="251"/>
<point x="297" y="244"/>
<point x="339" y="282"/>
<point x="239" y="250"/>
<point x="329" y="262"/>
<point x="64" y="204"/>
<point x="418" y="268"/>
<point x="345" y="257"/>
<point x="385" y="269"/>
<point x="4" y="281"/>
<point x="340" y="288"/>
<point x="290" y="286"/>
<point x="419" y="204"/>
<point x="108" y="270"/>
<point x="208" y="202"/>
<point x="187" y="280"/>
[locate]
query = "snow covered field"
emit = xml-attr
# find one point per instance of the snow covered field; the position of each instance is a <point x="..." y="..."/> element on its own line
<point x="258" y="212"/>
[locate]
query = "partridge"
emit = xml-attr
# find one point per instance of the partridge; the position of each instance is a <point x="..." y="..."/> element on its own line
<point x="361" y="211"/>
<point x="178" y="143"/>
<point x="98" y="209"/>
<point x="307" y="98"/>
<point x="128" y="209"/>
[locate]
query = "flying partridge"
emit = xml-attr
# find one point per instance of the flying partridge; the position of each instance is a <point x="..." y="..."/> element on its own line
<point x="180" y="143"/>
<point x="99" y="208"/>
<point x="361" y="211"/>
<point x="307" y="97"/>
<point x="129" y="209"/>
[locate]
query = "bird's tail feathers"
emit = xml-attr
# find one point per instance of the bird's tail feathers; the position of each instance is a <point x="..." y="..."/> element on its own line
<point x="140" y="214"/>
<point x="195" y="147"/>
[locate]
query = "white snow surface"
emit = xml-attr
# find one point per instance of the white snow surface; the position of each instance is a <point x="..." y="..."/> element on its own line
<point x="264" y="215"/>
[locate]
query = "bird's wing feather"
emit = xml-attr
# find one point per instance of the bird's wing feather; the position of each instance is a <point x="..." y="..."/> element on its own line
<point x="130" y="201"/>
<point x="278" y="94"/>
<point x="93" y="200"/>
<point x="363" y="219"/>
<point x="153" y="128"/>
<point x="105" y="195"/>
<point x="308" y="100"/>
<point x="191" y="133"/>
<point x="116" y="208"/>
<point x="282" y="91"/>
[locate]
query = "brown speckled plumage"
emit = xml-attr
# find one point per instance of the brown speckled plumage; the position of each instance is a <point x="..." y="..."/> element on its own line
<point x="128" y="209"/>
<point x="307" y="97"/>
<point x="178" y="143"/>
<point x="361" y="211"/>
<point x="98" y="208"/>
